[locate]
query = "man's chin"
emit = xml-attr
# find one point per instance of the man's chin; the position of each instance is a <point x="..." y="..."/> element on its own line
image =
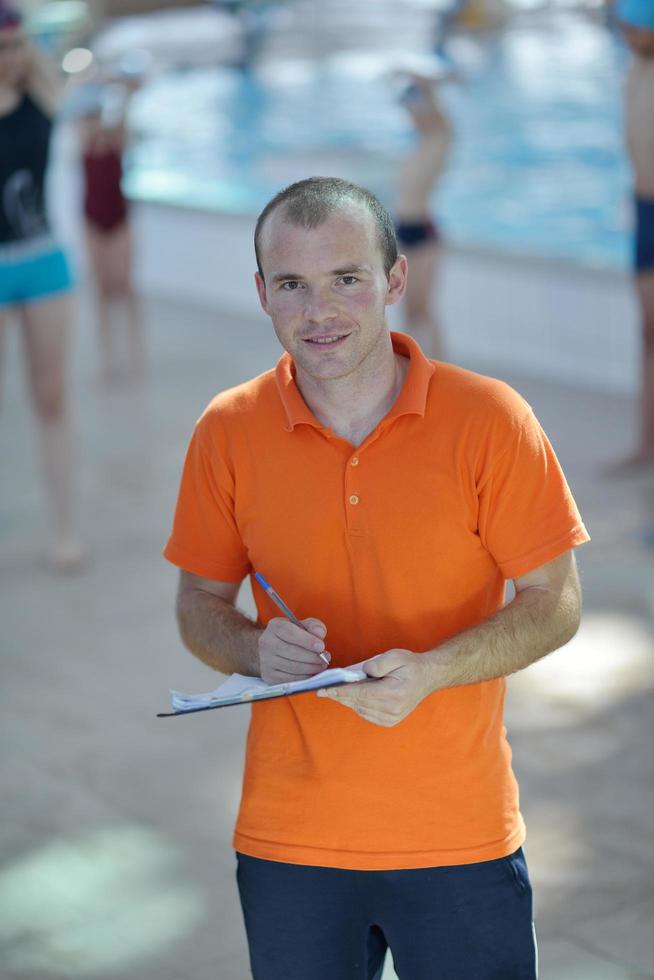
<point x="325" y="372"/>
<point x="322" y="369"/>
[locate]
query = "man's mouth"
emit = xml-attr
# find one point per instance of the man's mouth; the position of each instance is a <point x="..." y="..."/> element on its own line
<point x="327" y="341"/>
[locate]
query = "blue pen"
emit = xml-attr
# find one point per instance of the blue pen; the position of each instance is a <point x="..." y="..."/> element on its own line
<point x="277" y="599"/>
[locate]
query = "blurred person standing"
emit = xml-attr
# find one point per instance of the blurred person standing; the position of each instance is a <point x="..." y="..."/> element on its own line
<point x="636" y="19"/>
<point x="250" y="14"/>
<point x="103" y="135"/>
<point x="417" y="234"/>
<point x="35" y="279"/>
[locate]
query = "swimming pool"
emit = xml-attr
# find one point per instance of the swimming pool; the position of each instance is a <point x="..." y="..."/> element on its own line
<point x="538" y="169"/>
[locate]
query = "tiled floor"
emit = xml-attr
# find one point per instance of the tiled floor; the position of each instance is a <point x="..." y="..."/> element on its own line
<point x="115" y="837"/>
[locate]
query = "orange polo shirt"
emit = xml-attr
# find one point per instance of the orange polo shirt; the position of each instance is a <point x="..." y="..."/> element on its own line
<point x="402" y="541"/>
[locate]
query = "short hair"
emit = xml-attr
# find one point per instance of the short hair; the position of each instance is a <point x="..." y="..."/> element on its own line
<point x="312" y="201"/>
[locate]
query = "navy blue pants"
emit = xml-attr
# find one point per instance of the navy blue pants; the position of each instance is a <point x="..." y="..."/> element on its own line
<point x="468" y="922"/>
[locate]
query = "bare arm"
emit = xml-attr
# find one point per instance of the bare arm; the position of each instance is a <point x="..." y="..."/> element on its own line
<point x="225" y="639"/>
<point x="41" y="81"/>
<point x="213" y="629"/>
<point x="542" y="617"/>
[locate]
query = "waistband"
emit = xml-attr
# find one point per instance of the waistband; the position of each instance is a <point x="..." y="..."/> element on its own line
<point x="27" y="248"/>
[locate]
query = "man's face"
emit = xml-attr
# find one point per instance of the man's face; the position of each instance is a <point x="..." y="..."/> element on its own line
<point x="326" y="291"/>
<point x="639" y="39"/>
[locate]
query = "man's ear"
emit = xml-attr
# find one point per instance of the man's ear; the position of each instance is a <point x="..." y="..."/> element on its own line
<point x="397" y="277"/>
<point x="261" y="290"/>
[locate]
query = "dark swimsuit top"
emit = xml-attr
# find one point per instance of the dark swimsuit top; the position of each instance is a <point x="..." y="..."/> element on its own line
<point x="24" y="144"/>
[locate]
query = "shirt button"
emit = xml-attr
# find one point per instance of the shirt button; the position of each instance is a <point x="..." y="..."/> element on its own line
<point x="354" y="461"/>
<point x="354" y="499"/>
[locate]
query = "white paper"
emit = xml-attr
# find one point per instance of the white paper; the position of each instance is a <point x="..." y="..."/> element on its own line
<point x="239" y="689"/>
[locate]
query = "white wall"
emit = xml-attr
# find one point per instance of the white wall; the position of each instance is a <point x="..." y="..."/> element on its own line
<point x="548" y="319"/>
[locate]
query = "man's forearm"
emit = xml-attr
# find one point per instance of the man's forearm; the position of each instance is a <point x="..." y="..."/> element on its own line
<point x="534" y="624"/>
<point x="218" y="634"/>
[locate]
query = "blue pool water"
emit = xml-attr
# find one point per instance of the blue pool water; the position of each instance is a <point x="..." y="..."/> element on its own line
<point x="539" y="166"/>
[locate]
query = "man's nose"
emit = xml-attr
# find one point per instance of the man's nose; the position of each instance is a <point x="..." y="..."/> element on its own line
<point x="319" y="306"/>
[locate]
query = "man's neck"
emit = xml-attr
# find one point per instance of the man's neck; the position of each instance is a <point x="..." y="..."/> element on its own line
<point x="354" y="410"/>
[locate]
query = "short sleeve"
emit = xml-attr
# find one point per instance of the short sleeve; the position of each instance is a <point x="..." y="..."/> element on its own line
<point x="527" y="515"/>
<point x="205" y="539"/>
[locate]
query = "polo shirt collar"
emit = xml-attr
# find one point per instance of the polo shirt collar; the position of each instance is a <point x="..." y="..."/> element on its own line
<point x="412" y="399"/>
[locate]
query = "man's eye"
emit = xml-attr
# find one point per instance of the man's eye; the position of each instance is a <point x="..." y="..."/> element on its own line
<point x="349" y="280"/>
<point x="290" y="285"/>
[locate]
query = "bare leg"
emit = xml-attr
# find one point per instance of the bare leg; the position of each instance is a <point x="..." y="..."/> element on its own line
<point x="419" y="314"/>
<point x="3" y="330"/>
<point x="123" y="288"/>
<point x="118" y="304"/>
<point x="109" y="370"/>
<point x="645" y="288"/>
<point x="46" y="334"/>
<point x="100" y="260"/>
<point x="643" y="456"/>
<point x="136" y="335"/>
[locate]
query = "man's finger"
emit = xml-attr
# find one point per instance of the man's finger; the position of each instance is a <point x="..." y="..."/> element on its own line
<point x="351" y="694"/>
<point x="315" y="626"/>
<point x="384" y="663"/>
<point x="374" y="714"/>
<point x="294" y="672"/>
<point x="284" y="630"/>
<point x="293" y="654"/>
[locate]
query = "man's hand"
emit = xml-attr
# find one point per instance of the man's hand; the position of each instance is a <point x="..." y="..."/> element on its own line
<point x="289" y="653"/>
<point x="542" y="617"/>
<point x="403" y="684"/>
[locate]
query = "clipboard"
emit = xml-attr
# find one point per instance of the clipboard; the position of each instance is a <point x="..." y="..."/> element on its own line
<point x="239" y="689"/>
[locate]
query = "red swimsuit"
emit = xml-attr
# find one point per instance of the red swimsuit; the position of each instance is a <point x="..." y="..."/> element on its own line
<point x="104" y="204"/>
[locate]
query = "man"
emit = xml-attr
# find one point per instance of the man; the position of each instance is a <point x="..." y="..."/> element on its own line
<point x="636" y="18"/>
<point x="387" y="498"/>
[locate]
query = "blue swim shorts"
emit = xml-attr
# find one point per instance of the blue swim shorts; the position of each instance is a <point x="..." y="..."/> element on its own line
<point x="644" y="252"/>
<point x="31" y="271"/>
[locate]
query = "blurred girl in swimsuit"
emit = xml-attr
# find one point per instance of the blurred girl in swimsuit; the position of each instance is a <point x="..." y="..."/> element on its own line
<point x="417" y="234"/>
<point x="35" y="280"/>
<point x="108" y="236"/>
<point x="636" y="18"/>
